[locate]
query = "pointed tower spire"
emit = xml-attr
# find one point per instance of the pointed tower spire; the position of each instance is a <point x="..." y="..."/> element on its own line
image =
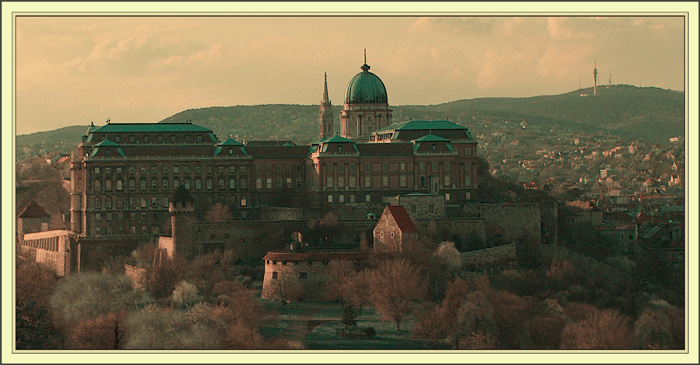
<point x="325" y="88"/>
<point x="325" y="112"/>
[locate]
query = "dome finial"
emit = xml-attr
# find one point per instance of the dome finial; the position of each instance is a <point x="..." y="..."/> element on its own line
<point x="365" y="66"/>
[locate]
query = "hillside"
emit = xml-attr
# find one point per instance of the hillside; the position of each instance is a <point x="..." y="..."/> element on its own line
<point x="649" y="114"/>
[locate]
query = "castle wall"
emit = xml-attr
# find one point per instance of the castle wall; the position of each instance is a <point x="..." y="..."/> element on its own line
<point x="508" y="221"/>
<point x="477" y="259"/>
<point x="50" y="248"/>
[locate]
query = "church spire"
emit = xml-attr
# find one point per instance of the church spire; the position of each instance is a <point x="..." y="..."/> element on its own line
<point x="325" y="112"/>
<point x="325" y="89"/>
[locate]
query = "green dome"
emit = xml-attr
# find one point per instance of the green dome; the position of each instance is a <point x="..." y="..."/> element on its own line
<point x="365" y="87"/>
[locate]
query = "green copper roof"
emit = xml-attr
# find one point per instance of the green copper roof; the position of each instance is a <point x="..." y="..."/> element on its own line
<point x="337" y="139"/>
<point x="230" y="142"/>
<point x="422" y="124"/>
<point x="365" y="87"/>
<point x="150" y="127"/>
<point x="107" y="143"/>
<point x="431" y="138"/>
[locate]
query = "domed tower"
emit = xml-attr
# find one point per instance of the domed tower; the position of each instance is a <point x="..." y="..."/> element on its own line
<point x="366" y="106"/>
<point x="182" y="220"/>
<point x="325" y="113"/>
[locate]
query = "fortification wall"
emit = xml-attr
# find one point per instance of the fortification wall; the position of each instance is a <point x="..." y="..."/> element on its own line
<point x="477" y="259"/>
<point x="508" y="221"/>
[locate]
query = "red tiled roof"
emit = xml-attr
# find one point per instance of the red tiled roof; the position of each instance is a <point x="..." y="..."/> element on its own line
<point x="403" y="220"/>
<point x="33" y="210"/>
<point x="314" y="256"/>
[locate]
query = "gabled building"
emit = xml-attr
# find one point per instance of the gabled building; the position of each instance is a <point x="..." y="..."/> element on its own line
<point x="393" y="229"/>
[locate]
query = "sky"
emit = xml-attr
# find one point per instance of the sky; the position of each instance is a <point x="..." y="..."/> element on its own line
<point x="77" y="70"/>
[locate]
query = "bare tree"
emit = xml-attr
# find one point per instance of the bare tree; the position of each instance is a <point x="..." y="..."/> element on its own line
<point x="602" y="329"/>
<point x="394" y="286"/>
<point x="105" y="332"/>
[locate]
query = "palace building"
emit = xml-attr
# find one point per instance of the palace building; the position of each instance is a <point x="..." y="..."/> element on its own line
<point x="122" y="174"/>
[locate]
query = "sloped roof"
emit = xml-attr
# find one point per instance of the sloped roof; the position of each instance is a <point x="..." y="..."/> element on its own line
<point x="314" y="256"/>
<point x="33" y="210"/>
<point x="270" y="143"/>
<point x="338" y="139"/>
<point x="150" y="127"/>
<point x="230" y="142"/>
<point x="422" y="124"/>
<point x="403" y="220"/>
<point x="431" y="138"/>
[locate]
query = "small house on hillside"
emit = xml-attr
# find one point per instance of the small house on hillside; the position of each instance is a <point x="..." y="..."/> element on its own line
<point x="393" y="229"/>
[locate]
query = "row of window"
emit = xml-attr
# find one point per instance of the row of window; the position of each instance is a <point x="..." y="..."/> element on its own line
<point x="279" y="183"/>
<point x="296" y="263"/>
<point x="109" y="230"/>
<point x="175" y="169"/>
<point x="159" y="138"/>
<point x="367" y="181"/>
<point x="143" y="185"/>
<point x="277" y="168"/>
<point x="156" y="202"/>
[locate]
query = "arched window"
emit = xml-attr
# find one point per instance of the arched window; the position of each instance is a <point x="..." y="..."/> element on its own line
<point x="244" y="183"/>
<point x="233" y="200"/>
<point x="176" y="184"/>
<point x="165" y="184"/>
<point x="232" y="183"/>
<point x="154" y="202"/>
<point x="108" y="185"/>
<point x="97" y="185"/>
<point x="143" y="202"/>
<point x="198" y="184"/>
<point x="221" y="184"/>
<point x="209" y="185"/>
<point x="165" y="201"/>
<point x="108" y="203"/>
<point x="222" y="199"/>
<point x="132" y="185"/>
<point x="187" y="184"/>
<point x="154" y="184"/>
<point x="98" y="203"/>
<point x="119" y="185"/>
<point x="120" y="202"/>
<point x="244" y="201"/>
<point x="143" y="185"/>
<point x="422" y="181"/>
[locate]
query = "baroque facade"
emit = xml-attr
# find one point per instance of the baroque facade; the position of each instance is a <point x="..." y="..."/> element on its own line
<point x="123" y="174"/>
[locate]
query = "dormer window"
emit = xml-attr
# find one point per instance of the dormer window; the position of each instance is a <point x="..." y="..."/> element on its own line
<point x="117" y="139"/>
<point x="340" y="148"/>
<point x="433" y="147"/>
<point x="131" y="139"/>
<point x="145" y="139"/>
<point x="159" y="138"/>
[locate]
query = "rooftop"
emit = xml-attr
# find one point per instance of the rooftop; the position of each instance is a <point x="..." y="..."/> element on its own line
<point x="150" y="127"/>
